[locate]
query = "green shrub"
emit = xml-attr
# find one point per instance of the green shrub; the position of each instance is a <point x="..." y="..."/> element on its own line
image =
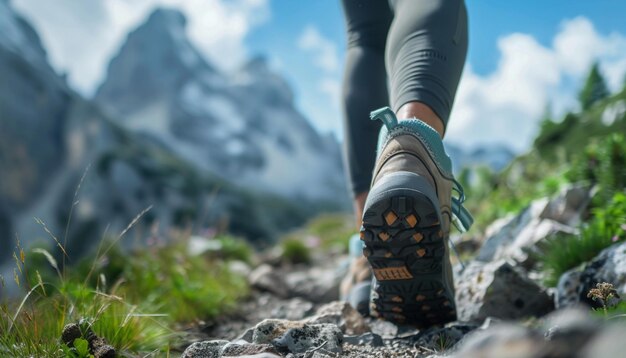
<point x="183" y="287"/>
<point x="130" y="298"/>
<point x="332" y="230"/>
<point x="295" y="251"/>
<point x="563" y="252"/>
<point x="33" y="326"/>
<point x="234" y="249"/>
<point x="603" y="162"/>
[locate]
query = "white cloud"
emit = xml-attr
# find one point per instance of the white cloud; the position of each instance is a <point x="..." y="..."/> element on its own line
<point x="326" y="59"/>
<point x="323" y="49"/>
<point x="82" y="36"/>
<point x="505" y="105"/>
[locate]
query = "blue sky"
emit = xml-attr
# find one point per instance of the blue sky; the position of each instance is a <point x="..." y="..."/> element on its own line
<point x="490" y="20"/>
<point x="522" y="54"/>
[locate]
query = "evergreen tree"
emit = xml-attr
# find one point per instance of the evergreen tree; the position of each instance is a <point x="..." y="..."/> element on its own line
<point x="595" y="88"/>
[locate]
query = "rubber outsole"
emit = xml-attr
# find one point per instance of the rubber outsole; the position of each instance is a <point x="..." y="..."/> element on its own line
<point x="405" y="247"/>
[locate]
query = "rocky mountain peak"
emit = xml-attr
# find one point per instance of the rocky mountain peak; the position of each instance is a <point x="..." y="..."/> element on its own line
<point x="257" y="76"/>
<point x="19" y="37"/>
<point x="166" y="18"/>
<point x="155" y="60"/>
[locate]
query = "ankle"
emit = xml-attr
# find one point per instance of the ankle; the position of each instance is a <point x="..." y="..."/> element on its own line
<point x="420" y="111"/>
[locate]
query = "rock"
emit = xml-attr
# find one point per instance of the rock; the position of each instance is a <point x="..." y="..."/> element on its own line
<point x="343" y="316"/>
<point x="247" y="336"/>
<point x="313" y="336"/>
<point x="101" y="349"/>
<point x="97" y="346"/>
<point x="383" y="328"/>
<point x="567" y="207"/>
<point x="499" y="224"/>
<point x="293" y="309"/>
<point x="562" y="334"/>
<point x="502" y="340"/>
<point x="440" y="339"/>
<point x="609" y="266"/>
<point x="508" y="233"/>
<point x="266" y="278"/>
<point x="297" y="337"/>
<point x="270" y="329"/>
<point x="609" y="342"/>
<point x="366" y="339"/>
<point x="104" y="351"/>
<point x="567" y="292"/>
<point x="70" y="332"/>
<point x="568" y="331"/>
<point x="239" y="268"/>
<point x="206" y="349"/>
<point x="316" y="284"/>
<point x="512" y="238"/>
<point x="500" y="290"/>
<point x="242" y="348"/>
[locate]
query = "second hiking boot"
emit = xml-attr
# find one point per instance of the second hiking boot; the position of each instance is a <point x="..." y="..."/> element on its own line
<point x="406" y="224"/>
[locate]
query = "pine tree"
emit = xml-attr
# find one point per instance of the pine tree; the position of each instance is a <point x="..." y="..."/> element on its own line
<point x="595" y="88"/>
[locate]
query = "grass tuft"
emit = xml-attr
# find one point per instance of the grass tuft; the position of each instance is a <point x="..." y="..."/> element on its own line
<point x="295" y="251"/>
<point x="563" y="252"/>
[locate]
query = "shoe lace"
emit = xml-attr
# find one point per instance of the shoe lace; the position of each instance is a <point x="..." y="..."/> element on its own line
<point x="461" y="218"/>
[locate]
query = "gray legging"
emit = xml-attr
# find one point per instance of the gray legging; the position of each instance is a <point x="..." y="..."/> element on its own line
<point x="417" y="47"/>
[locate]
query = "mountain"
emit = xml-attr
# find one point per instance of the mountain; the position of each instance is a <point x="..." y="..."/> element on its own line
<point x="494" y="156"/>
<point x="242" y="126"/>
<point x="179" y="139"/>
<point x="33" y="107"/>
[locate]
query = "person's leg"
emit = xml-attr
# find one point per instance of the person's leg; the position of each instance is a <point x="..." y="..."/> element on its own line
<point x="426" y="50"/>
<point x="364" y="88"/>
<point x="407" y="215"/>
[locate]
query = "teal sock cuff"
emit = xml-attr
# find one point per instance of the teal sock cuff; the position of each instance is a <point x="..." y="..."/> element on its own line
<point x="425" y="133"/>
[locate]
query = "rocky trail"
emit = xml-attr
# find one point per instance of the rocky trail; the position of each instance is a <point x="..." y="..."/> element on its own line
<point x="503" y="308"/>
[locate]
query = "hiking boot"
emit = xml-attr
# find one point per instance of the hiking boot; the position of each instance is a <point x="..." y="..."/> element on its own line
<point x="406" y="224"/>
<point x="356" y="286"/>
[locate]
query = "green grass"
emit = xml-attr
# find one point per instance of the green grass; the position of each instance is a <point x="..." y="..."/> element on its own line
<point x="329" y="231"/>
<point x="186" y="288"/>
<point x="295" y="251"/>
<point x="579" y="148"/>
<point x="564" y="252"/>
<point x="33" y="326"/>
<point x="133" y="299"/>
<point x="233" y="248"/>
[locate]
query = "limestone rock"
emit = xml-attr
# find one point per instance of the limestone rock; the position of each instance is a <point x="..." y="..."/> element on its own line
<point x="609" y="266"/>
<point x="501" y="239"/>
<point x="366" y="339"/>
<point x="383" y="328"/>
<point x="567" y="293"/>
<point x="440" y="338"/>
<point x="500" y="290"/>
<point x="502" y="340"/>
<point x="609" y="342"/>
<point x="313" y="336"/>
<point x="266" y="278"/>
<point x="317" y="285"/>
<point x="343" y="316"/>
<point x="512" y="238"/>
<point x="567" y="207"/>
<point x="270" y="329"/>
<point x="293" y="309"/>
<point x="242" y="348"/>
<point x="297" y="337"/>
<point x="206" y="349"/>
<point x="568" y="330"/>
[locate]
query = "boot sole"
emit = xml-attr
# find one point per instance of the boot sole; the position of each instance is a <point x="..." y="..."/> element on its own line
<point x="405" y="247"/>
